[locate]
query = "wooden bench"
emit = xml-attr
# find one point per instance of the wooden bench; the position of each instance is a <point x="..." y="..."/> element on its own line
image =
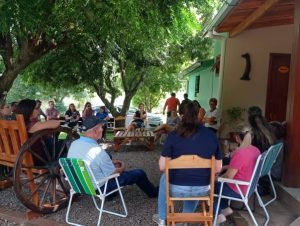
<point x="145" y="137"/>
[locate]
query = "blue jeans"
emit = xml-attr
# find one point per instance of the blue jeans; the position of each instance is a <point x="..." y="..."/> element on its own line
<point x="136" y="176"/>
<point x="178" y="191"/>
<point x="226" y="191"/>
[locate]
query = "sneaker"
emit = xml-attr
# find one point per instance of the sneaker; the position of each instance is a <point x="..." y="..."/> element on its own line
<point x="221" y="219"/>
<point x="159" y="222"/>
<point x="227" y="211"/>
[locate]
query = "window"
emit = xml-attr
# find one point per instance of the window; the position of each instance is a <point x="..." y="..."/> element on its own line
<point x="197" y="85"/>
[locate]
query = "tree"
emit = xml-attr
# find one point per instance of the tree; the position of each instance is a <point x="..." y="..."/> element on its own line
<point x="122" y="45"/>
<point x="29" y="29"/>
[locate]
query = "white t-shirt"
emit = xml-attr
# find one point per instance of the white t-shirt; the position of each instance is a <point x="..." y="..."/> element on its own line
<point x="215" y="114"/>
<point x="98" y="160"/>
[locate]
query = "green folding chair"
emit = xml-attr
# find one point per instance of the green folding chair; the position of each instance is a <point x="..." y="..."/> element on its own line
<point x="81" y="180"/>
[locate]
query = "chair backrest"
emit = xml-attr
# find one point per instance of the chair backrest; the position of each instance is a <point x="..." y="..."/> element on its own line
<point x="13" y="135"/>
<point x="119" y="121"/>
<point x="256" y="174"/>
<point x="78" y="174"/>
<point x="271" y="157"/>
<point x="193" y="162"/>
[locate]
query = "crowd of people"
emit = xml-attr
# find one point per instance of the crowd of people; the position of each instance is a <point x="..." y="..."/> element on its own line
<point x="191" y="132"/>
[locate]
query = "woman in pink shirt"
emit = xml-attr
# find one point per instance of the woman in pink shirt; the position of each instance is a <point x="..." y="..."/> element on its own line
<point x="240" y="167"/>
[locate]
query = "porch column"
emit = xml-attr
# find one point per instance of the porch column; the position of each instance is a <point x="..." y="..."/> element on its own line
<point x="291" y="172"/>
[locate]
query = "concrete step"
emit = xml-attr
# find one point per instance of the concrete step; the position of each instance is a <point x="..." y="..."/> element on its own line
<point x="295" y="222"/>
<point x="290" y="197"/>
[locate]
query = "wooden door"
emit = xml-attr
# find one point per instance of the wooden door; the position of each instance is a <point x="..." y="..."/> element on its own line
<point x="278" y="80"/>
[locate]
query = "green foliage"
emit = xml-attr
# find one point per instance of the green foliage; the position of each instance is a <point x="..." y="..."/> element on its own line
<point x="235" y="114"/>
<point x="109" y="46"/>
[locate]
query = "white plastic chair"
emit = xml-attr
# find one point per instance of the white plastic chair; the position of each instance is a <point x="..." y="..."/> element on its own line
<point x="252" y="188"/>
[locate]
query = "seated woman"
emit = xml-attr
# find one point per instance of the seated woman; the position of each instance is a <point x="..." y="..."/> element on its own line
<point x="262" y="134"/>
<point x="190" y="138"/>
<point x="240" y="167"/>
<point x="87" y="111"/>
<point x="172" y="123"/>
<point x="72" y="116"/>
<point x="103" y="115"/>
<point x="6" y="112"/>
<point x="201" y="113"/>
<point x="138" y="118"/>
<point x="31" y="112"/>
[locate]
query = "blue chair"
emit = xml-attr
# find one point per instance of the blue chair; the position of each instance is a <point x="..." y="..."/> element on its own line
<point x="273" y="152"/>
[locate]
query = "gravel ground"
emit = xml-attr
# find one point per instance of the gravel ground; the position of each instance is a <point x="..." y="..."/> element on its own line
<point x="140" y="208"/>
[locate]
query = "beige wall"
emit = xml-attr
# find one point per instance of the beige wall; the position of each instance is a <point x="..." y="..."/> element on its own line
<point x="259" y="43"/>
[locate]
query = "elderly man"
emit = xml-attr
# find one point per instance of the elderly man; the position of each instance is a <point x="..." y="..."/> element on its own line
<point x="87" y="148"/>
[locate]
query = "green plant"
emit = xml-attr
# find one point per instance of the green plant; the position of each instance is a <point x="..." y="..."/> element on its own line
<point x="235" y="114"/>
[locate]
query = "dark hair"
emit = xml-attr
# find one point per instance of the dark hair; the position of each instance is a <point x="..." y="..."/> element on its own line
<point x="26" y="107"/>
<point x="278" y="129"/>
<point x="185" y="95"/>
<point x="213" y="100"/>
<point x="197" y="104"/>
<point x="70" y="106"/>
<point x="263" y="136"/>
<point x="13" y="103"/>
<point x="38" y="101"/>
<point x="189" y="122"/>
<point x="173" y="94"/>
<point x="103" y="108"/>
<point x="86" y="104"/>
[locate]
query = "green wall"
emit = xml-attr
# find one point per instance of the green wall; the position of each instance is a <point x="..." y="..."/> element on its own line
<point x="209" y="83"/>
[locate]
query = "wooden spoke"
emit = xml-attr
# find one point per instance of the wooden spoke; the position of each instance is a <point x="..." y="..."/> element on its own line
<point x="41" y="172"/>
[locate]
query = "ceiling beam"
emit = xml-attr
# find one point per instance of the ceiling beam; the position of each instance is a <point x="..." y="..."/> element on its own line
<point x="252" y="17"/>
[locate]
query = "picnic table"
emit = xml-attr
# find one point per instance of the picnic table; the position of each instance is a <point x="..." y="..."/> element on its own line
<point x="143" y="136"/>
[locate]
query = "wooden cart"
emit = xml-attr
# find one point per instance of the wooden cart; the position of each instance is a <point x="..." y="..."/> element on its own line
<point x="37" y="179"/>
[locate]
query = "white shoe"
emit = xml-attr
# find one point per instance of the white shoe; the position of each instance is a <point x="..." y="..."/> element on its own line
<point x="227" y="211"/>
<point x="159" y="222"/>
<point x="221" y="219"/>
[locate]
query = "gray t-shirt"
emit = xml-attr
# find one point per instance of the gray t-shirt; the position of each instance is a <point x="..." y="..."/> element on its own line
<point x="98" y="160"/>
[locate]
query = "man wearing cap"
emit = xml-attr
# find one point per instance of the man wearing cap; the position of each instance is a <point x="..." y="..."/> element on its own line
<point x="87" y="148"/>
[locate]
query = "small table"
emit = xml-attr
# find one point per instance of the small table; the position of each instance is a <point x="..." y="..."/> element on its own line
<point x="143" y="136"/>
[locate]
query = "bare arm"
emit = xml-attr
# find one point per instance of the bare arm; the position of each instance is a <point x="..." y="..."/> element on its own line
<point x="230" y="173"/>
<point x="162" y="162"/>
<point x="49" y="124"/>
<point x="219" y="166"/>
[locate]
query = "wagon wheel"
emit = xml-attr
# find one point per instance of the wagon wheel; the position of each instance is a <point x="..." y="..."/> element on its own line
<point x="38" y="180"/>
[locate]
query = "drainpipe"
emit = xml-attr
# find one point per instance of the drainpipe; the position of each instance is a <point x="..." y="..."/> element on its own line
<point x="215" y="35"/>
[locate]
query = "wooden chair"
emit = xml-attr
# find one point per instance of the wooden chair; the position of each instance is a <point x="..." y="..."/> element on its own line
<point x="119" y="124"/>
<point x="204" y="215"/>
<point x="82" y="181"/>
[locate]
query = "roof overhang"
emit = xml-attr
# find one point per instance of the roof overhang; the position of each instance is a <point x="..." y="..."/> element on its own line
<point x="239" y="15"/>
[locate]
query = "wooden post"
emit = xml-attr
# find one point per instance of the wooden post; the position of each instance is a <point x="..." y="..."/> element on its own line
<point x="291" y="172"/>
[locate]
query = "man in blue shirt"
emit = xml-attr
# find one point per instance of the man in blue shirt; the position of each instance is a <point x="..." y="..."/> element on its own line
<point x="87" y="148"/>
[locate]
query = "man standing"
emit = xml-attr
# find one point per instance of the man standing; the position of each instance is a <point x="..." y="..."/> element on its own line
<point x="172" y="103"/>
<point x="185" y="101"/>
<point x="99" y="161"/>
<point x="212" y="116"/>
